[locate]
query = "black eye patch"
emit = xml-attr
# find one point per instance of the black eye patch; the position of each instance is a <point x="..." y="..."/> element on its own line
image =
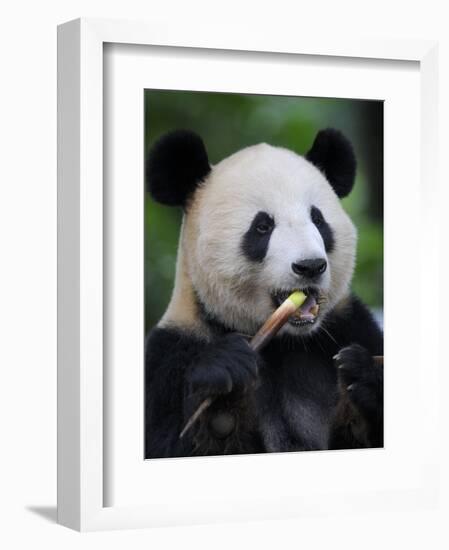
<point x="255" y="241"/>
<point x="324" y="228"/>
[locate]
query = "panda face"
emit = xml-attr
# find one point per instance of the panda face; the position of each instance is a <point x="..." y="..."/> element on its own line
<point x="264" y="222"/>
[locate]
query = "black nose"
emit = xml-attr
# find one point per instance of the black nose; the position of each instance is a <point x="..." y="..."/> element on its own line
<point x="310" y="268"/>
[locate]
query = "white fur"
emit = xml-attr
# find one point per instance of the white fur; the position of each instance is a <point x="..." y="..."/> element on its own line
<point x="236" y="291"/>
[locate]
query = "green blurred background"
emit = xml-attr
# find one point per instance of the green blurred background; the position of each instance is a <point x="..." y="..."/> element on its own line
<point x="228" y="122"/>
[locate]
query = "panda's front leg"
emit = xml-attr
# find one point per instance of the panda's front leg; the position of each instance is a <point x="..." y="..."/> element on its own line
<point x="360" y="380"/>
<point x="227" y="372"/>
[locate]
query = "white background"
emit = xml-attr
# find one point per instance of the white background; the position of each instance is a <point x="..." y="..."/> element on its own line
<point x="28" y="270"/>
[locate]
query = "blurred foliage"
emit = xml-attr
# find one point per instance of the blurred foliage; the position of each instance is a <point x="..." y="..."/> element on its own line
<point x="228" y="122"/>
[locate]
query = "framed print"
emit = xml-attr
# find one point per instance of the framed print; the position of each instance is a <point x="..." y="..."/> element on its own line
<point x="179" y="236"/>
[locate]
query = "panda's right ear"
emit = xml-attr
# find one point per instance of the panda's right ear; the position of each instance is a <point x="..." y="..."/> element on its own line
<point x="175" y="165"/>
<point x="332" y="153"/>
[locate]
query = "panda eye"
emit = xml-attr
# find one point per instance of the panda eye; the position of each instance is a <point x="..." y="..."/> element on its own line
<point x="263" y="228"/>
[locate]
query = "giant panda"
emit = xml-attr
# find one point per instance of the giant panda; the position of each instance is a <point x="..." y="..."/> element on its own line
<point x="256" y="226"/>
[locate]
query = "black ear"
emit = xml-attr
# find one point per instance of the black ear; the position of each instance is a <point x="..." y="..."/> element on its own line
<point x="333" y="154"/>
<point x="176" y="164"/>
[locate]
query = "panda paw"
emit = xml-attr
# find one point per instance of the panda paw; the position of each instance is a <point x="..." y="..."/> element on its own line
<point x="362" y="380"/>
<point x="227" y="368"/>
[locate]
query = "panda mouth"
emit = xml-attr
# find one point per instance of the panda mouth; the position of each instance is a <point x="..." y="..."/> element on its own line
<point x="308" y="312"/>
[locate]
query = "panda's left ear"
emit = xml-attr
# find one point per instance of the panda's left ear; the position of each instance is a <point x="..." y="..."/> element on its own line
<point x="333" y="154"/>
<point x="176" y="165"/>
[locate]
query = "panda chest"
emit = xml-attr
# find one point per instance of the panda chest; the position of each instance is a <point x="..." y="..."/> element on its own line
<point x="296" y="402"/>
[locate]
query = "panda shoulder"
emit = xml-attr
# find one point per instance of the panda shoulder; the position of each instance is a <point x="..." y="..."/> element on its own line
<point x="357" y="324"/>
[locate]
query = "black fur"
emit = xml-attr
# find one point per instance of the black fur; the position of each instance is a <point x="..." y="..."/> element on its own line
<point x="176" y="164"/>
<point x="324" y="228"/>
<point x="362" y="379"/>
<point x="333" y="154"/>
<point x="290" y="396"/>
<point x="255" y="241"/>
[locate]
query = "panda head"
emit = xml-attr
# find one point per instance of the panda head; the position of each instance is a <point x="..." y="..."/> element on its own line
<point x="258" y="225"/>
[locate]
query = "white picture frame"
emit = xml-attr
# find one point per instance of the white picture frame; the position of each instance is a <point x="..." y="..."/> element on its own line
<point x="82" y="491"/>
